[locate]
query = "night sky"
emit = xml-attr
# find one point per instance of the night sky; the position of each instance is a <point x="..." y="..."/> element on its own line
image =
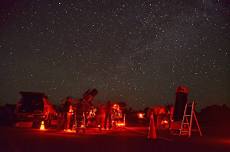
<point x="137" y="51"/>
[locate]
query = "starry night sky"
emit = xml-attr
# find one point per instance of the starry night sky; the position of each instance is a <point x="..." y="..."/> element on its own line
<point x="137" y="51"/>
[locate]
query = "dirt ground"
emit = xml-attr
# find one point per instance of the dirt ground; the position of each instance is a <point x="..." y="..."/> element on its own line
<point x="131" y="139"/>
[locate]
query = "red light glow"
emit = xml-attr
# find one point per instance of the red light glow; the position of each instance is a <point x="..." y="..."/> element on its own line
<point x="120" y="124"/>
<point x="69" y="130"/>
<point x="140" y="115"/>
<point x="164" y="122"/>
<point x="116" y="106"/>
<point x="42" y="127"/>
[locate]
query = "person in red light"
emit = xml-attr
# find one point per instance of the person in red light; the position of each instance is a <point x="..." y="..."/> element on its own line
<point x="79" y="113"/>
<point x="67" y="106"/>
<point x="152" y="128"/>
<point x="108" y="119"/>
<point x="101" y="116"/>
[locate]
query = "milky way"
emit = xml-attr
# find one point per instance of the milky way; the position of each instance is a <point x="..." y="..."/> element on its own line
<point x="130" y="50"/>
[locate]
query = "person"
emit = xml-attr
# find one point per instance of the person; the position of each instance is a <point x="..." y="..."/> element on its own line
<point x="171" y="110"/>
<point x="67" y="112"/>
<point x="79" y="113"/>
<point x="108" y="120"/>
<point x="101" y="116"/>
<point x="152" y="128"/>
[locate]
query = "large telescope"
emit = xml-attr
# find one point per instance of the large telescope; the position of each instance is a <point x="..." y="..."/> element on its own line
<point x="181" y="100"/>
<point x="89" y="95"/>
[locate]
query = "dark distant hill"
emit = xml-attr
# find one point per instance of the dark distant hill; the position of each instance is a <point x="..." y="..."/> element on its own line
<point x="215" y="120"/>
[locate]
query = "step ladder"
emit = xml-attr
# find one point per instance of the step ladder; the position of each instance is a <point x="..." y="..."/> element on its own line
<point x="187" y="121"/>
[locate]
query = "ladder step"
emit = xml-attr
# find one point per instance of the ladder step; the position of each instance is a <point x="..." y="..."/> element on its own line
<point x="187" y="115"/>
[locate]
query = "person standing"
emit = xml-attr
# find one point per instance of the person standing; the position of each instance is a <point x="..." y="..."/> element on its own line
<point x="101" y="116"/>
<point x="79" y="113"/>
<point x="108" y="119"/>
<point x="152" y="128"/>
<point x="68" y="112"/>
